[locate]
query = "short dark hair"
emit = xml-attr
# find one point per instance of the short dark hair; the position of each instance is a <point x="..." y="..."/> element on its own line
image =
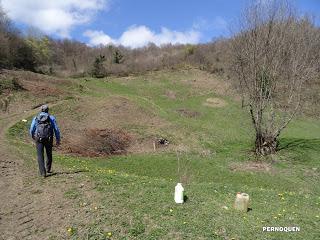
<point x="44" y="108"/>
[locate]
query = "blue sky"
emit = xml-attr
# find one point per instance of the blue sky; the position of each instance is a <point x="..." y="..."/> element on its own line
<point x="134" y="23"/>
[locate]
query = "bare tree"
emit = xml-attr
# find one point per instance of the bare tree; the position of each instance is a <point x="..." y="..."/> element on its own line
<point x="273" y="57"/>
<point x="5" y="29"/>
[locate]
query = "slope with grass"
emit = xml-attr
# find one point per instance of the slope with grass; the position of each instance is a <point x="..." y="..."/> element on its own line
<point x="210" y="135"/>
<point x="32" y="207"/>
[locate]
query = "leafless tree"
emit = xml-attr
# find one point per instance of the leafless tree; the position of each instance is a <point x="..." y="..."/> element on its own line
<point x="5" y="28"/>
<point x="273" y="58"/>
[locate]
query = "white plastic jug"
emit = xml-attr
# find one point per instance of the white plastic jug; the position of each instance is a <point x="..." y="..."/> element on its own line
<point x="178" y="194"/>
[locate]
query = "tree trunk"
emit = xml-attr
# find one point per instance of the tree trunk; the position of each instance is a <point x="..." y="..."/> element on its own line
<point x="265" y="144"/>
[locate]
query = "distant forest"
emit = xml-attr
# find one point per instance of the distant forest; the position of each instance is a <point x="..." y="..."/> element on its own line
<point x="40" y="53"/>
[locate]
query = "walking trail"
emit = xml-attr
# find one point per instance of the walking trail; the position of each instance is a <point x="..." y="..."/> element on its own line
<point x="36" y="208"/>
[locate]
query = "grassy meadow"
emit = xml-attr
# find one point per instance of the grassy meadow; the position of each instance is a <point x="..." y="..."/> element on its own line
<point x="213" y="144"/>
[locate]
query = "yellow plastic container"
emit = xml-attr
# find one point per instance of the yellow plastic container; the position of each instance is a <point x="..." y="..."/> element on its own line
<point x="242" y="202"/>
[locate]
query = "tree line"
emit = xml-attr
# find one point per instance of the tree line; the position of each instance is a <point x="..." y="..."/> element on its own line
<point x="64" y="57"/>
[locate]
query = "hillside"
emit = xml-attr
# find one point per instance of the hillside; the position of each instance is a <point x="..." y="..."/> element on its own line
<point x="130" y="191"/>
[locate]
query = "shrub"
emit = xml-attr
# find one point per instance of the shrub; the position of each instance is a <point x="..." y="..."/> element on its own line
<point x="99" y="70"/>
<point x="117" y="57"/>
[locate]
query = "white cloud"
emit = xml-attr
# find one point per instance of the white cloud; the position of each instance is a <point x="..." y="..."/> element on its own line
<point x="53" y="16"/>
<point x="98" y="37"/>
<point x="136" y="36"/>
<point x="139" y="36"/>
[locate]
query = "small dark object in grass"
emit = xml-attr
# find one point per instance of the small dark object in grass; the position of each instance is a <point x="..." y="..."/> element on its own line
<point x="163" y="141"/>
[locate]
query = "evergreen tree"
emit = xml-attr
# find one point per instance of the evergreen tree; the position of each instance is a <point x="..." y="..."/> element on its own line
<point x="99" y="70"/>
<point x="117" y="57"/>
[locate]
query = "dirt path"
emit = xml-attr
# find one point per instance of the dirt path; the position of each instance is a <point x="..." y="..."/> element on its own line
<point x="36" y="208"/>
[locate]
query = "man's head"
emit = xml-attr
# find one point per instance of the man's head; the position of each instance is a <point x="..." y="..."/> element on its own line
<point x="45" y="108"/>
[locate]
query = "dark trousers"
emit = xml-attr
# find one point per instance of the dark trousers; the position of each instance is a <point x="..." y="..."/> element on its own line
<point x="44" y="168"/>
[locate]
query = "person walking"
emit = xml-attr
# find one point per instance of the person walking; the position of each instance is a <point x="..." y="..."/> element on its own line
<point x="42" y="129"/>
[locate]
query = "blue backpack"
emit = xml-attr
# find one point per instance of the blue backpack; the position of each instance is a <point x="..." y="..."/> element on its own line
<point x="43" y="131"/>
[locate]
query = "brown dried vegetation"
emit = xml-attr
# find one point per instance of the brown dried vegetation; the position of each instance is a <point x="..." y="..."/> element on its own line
<point x="251" y="166"/>
<point x="188" y="113"/>
<point x="117" y="122"/>
<point x="100" y="142"/>
<point x="37" y="84"/>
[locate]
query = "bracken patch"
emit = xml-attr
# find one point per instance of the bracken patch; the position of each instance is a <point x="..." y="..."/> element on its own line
<point x="100" y="142"/>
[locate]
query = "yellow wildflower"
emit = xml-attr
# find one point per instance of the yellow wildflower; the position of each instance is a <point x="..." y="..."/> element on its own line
<point x="70" y="230"/>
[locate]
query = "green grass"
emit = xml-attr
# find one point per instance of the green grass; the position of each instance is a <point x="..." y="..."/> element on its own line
<point x="137" y="190"/>
<point x="72" y="193"/>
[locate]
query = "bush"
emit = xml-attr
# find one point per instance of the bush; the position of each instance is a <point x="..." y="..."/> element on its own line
<point x="117" y="57"/>
<point x="9" y="85"/>
<point x="99" y="70"/>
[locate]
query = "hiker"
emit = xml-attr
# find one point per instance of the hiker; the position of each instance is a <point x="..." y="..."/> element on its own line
<point x="42" y="129"/>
